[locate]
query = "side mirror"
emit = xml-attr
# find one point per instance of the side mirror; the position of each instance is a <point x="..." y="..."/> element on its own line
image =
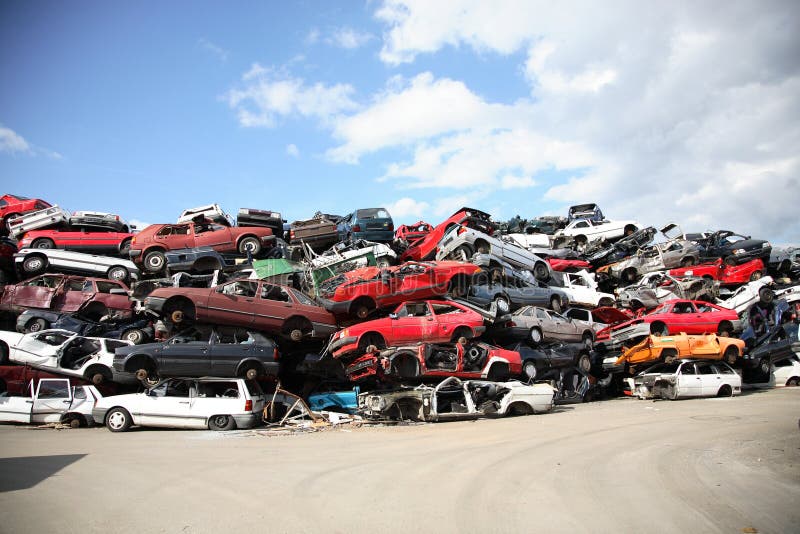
<point x="218" y="289"/>
<point x="392" y="316"/>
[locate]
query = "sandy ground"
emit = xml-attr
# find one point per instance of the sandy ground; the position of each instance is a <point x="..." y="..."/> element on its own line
<point x="706" y="465"/>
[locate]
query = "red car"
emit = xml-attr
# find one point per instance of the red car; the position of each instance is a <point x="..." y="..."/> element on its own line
<point x="469" y="360"/>
<point x="78" y="240"/>
<point x="425" y="247"/>
<point x="149" y="245"/>
<point x="412" y="232"/>
<point x="435" y="321"/>
<point x="558" y="264"/>
<point x="251" y="304"/>
<point x="675" y="316"/>
<point x="361" y="291"/>
<point x="726" y="274"/>
<point x="12" y="205"/>
<point x="93" y="297"/>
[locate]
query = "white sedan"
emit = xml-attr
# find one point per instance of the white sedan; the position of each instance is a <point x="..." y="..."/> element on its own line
<point x="200" y="403"/>
<point x="66" y="353"/>
<point x="688" y="378"/>
<point x="34" y="261"/>
<point x="585" y="231"/>
<point x="53" y="400"/>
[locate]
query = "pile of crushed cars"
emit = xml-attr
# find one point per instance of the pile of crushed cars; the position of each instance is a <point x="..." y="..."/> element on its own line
<point x="251" y="318"/>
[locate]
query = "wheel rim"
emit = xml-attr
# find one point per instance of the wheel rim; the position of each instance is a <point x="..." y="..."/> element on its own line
<point x="155" y="261"/>
<point x="33" y="264"/>
<point x="134" y="336"/>
<point x="530" y="370"/>
<point x="502" y="305"/>
<point x="536" y="336"/>
<point x="35" y="326"/>
<point x="116" y="420"/>
<point x="118" y="274"/>
<point x="220" y="420"/>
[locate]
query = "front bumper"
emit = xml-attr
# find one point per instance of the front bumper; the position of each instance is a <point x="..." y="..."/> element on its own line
<point x="336" y="308"/>
<point x="342" y="342"/>
<point x="155" y="304"/>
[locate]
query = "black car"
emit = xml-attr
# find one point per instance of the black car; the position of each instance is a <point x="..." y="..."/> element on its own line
<point x="540" y="360"/>
<point x="604" y="253"/>
<point x="220" y="352"/>
<point x="770" y="337"/>
<point x="263" y="218"/>
<point x="734" y="249"/>
<point x="137" y="331"/>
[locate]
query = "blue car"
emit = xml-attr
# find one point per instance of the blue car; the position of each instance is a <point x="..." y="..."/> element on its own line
<point x="334" y="401"/>
<point x="372" y="224"/>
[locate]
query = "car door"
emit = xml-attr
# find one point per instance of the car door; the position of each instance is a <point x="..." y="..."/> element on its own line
<point x="688" y="381"/>
<point x="564" y="328"/>
<point x="185" y="357"/>
<point x="167" y="405"/>
<point x="17" y="408"/>
<point x="410" y="322"/>
<point x="174" y="236"/>
<point x="37" y="292"/>
<point x="235" y="304"/>
<point x="40" y="349"/>
<point x="72" y="294"/>
<point x="216" y="397"/>
<point x="272" y="307"/>
<point x="212" y="235"/>
<point x="53" y="398"/>
<point x="710" y="379"/>
<point x="226" y="351"/>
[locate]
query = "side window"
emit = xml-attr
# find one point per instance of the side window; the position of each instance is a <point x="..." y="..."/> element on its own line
<point x="106" y="287"/>
<point x="76" y="285"/>
<point x="582" y="224"/>
<point x="724" y="370"/>
<point x="52" y="338"/>
<point x="114" y="344"/>
<point x="221" y="390"/>
<point x="706" y="369"/>
<point x="88" y="287"/>
<point x="271" y="292"/>
<point x="541" y="314"/>
<point x="78" y="393"/>
<point x="167" y="230"/>
<point x="56" y="389"/>
<point x="688" y="369"/>
<point x="575" y="313"/>
<point x="442" y="309"/>
<point x="177" y="388"/>
<point x="241" y="288"/>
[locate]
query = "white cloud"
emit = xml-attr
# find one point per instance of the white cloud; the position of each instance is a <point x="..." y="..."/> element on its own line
<point x="216" y="51"/>
<point x="405" y="208"/>
<point x="312" y="37"/>
<point x="12" y="142"/>
<point x="510" y="181"/>
<point x="139" y="224"/>
<point x="292" y="150"/>
<point x="349" y="38"/>
<point x="268" y="94"/>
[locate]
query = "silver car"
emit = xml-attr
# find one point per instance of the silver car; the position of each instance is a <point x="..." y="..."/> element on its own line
<point x="34" y="261"/>
<point x="540" y="324"/>
<point x="676" y="252"/>
<point x="460" y="243"/>
<point x="656" y="288"/>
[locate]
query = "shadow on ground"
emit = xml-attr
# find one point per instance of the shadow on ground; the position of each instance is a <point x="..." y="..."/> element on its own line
<point x="27" y="471"/>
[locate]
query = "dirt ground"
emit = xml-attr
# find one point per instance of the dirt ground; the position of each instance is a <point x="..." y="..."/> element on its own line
<point x="624" y="465"/>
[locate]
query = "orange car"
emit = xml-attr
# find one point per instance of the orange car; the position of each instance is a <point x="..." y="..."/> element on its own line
<point x="669" y="348"/>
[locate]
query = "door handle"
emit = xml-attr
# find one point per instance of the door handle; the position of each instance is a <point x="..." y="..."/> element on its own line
<point x="184" y="402"/>
<point x="248" y="300"/>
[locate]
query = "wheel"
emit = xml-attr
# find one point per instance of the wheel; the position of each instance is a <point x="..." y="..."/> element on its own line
<point x="580" y="240"/>
<point x="251" y="373"/>
<point x="34" y="264"/>
<point x="541" y="272"/>
<point x="3" y="356"/>
<point x="731" y="355"/>
<point x="659" y="329"/>
<point x="134" y="335"/>
<point x="458" y="287"/>
<point x="605" y="302"/>
<point x="362" y="308"/>
<point x="687" y="262"/>
<point x="250" y="244"/>
<point x="155" y="261"/>
<point x="555" y="304"/>
<point x="36" y="325"/>
<point x="763" y="366"/>
<point x="118" y="273"/>
<point x="793" y="382"/>
<point x="482" y="247"/>
<point x="371" y="339"/>
<point x="43" y="242"/>
<point x="669" y="355"/>
<point x="462" y="253"/>
<point x="74" y="422"/>
<point x="502" y="305"/>
<point x="535" y="335"/>
<point x="118" y="420"/>
<point x="221" y="422"/>
<point x="756" y="275"/>
<point x="584" y="363"/>
<point x="725" y="391"/>
<point x="125" y="247"/>
<point x="529" y="370"/>
<point x="629" y="275"/>
<point x="177" y="316"/>
<point x="460" y="335"/>
<point x="766" y="295"/>
<point x="724" y="329"/>
<point x="587" y="340"/>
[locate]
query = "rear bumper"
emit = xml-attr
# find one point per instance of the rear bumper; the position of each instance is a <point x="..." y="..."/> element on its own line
<point x="247" y="420"/>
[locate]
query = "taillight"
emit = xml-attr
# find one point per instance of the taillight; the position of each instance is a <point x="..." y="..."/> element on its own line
<point x="133" y="240"/>
<point x="275" y="353"/>
<point x="291" y="234"/>
<point x="391" y="226"/>
<point x="356" y="228"/>
<point x="248" y="406"/>
<point x="461" y="230"/>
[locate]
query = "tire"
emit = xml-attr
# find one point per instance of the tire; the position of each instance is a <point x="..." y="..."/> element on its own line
<point x="118" y="273"/>
<point x="44" y="243"/>
<point x="118" y="420"/>
<point x="155" y="261"/>
<point x="462" y="253"/>
<point x="724" y="329"/>
<point x="249" y="244"/>
<point x="725" y="391"/>
<point x="134" y="335"/>
<point x="581" y="240"/>
<point x="3" y="355"/>
<point x="605" y="302"/>
<point x="220" y="423"/>
<point x="529" y="370"/>
<point x="34" y="264"/>
<point x="669" y="355"/>
<point x="629" y="229"/>
<point x="541" y="272"/>
<point x="125" y="247"/>
<point x="659" y="329"/>
<point x="502" y="304"/>
<point x="179" y="310"/>
<point x="251" y="372"/>
<point x="793" y="382"/>
<point x="555" y="304"/>
<point x="461" y="334"/>
<point x="588" y="340"/>
<point x="481" y="247"/>
<point x="756" y="276"/>
<point x="629" y="275"/>
<point x="36" y="325"/>
<point x="362" y="308"/>
<point x="535" y="335"/>
<point x="766" y="295"/>
<point x="764" y="366"/>
<point x="371" y="339"/>
<point x="584" y="363"/>
<point x="731" y="355"/>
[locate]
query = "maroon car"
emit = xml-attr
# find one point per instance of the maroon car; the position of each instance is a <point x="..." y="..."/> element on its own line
<point x="254" y="304"/>
<point x="149" y="245"/>
<point x="93" y="297"/>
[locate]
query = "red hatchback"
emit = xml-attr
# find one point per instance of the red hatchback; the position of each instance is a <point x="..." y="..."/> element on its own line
<point x="429" y="320"/>
<point x="727" y="275"/>
<point x="12" y="205"/>
<point x="412" y="232"/>
<point x="425" y="247"/>
<point x="361" y="291"/>
<point x="78" y="240"/>
<point x="149" y="245"/>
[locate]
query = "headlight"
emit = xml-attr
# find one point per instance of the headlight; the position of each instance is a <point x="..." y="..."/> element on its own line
<point x="766" y="245"/>
<point x="739" y="251"/>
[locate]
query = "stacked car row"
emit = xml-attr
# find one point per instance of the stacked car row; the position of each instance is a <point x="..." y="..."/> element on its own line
<point x="468" y="308"/>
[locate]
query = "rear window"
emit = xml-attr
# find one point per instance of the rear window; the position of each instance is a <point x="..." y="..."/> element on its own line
<point x="581" y="315"/>
<point x="218" y="390"/>
<point x="302" y="299"/>
<point x="372" y="213"/>
<point x="106" y="287"/>
<point x="114" y="344"/>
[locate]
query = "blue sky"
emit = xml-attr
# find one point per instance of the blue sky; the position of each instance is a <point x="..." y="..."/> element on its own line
<point x="664" y="112"/>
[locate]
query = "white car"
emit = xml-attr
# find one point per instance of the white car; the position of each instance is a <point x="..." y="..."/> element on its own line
<point x="36" y="220"/>
<point x="211" y="211"/>
<point x="66" y="353"/>
<point x="786" y="372"/>
<point x="34" y="261"/>
<point x="384" y="255"/>
<point x="581" y="288"/>
<point x="52" y="401"/>
<point x="748" y="294"/>
<point x="687" y="378"/>
<point x="585" y="231"/>
<point x="200" y="403"/>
